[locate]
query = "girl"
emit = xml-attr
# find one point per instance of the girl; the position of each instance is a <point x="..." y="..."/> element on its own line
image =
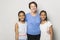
<point x="21" y="27"/>
<point x="45" y="27"/>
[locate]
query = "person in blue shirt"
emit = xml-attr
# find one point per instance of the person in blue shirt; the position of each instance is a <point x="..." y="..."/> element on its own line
<point x="33" y="21"/>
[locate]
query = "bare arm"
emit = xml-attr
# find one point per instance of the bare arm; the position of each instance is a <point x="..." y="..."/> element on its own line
<point x="51" y="32"/>
<point x="16" y="31"/>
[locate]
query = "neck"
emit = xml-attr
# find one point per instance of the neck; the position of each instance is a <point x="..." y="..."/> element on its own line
<point x="33" y="13"/>
<point x="43" y="21"/>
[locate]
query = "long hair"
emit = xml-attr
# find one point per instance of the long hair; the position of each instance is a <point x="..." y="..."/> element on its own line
<point x="21" y="12"/>
<point x="45" y="14"/>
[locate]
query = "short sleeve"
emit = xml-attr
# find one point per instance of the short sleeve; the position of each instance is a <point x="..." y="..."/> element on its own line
<point x="26" y="18"/>
<point x="49" y="24"/>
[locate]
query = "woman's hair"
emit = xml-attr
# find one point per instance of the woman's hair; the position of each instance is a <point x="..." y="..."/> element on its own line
<point x="21" y="12"/>
<point x="33" y="3"/>
<point x="45" y="14"/>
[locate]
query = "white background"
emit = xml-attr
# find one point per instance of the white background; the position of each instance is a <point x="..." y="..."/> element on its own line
<point x="9" y="11"/>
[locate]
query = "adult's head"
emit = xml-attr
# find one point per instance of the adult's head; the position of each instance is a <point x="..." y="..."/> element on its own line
<point x="33" y="6"/>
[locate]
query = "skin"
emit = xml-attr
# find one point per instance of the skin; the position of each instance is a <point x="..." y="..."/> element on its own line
<point x="21" y="17"/>
<point x="16" y="32"/>
<point x="33" y="9"/>
<point x="43" y="16"/>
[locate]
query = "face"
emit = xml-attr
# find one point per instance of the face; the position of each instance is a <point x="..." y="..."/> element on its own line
<point x="43" y="16"/>
<point x="33" y="8"/>
<point x="21" y="16"/>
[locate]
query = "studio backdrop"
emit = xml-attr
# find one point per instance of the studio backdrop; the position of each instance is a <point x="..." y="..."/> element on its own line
<point x="9" y="15"/>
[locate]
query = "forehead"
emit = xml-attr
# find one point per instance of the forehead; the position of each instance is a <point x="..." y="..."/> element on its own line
<point x="42" y="13"/>
<point x="32" y="4"/>
<point x="21" y="14"/>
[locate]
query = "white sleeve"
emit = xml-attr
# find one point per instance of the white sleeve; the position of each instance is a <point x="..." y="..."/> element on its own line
<point x="49" y="24"/>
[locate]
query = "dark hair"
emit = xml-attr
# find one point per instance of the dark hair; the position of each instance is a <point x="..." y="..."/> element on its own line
<point x="21" y="12"/>
<point x="45" y="14"/>
<point x="33" y="3"/>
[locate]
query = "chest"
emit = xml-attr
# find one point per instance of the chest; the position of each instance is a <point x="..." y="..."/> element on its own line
<point x="44" y="28"/>
<point x="35" y="19"/>
<point x="22" y="27"/>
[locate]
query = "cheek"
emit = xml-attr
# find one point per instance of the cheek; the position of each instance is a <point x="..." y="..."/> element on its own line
<point x="43" y="17"/>
<point x="19" y="17"/>
<point x="23" y="16"/>
<point x="33" y="8"/>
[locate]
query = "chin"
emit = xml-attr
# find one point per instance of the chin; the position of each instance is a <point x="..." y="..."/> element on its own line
<point x="42" y="19"/>
<point x="33" y="11"/>
<point x="22" y="20"/>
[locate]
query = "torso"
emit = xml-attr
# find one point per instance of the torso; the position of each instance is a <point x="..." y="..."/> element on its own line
<point x="44" y="30"/>
<point x="22" y="29"/>
<point x="33" y="24"/>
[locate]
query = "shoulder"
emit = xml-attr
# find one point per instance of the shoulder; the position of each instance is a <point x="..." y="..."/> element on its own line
<point x="49" y="23"/>
<point x="17" y="23"/>
<point x="27" y="14"/>
<point x="38" y="14"/>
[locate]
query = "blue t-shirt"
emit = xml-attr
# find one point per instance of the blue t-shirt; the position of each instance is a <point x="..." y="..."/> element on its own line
<point x="33" y="24"/>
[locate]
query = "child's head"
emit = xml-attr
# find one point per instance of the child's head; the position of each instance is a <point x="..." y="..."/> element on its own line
<point x="21" y="15"/>
<point x="43" y="15"/>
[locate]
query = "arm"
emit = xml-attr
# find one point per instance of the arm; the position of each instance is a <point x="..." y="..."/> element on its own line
<point x="16" y="31"/>
<point x="51" y="32"/>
